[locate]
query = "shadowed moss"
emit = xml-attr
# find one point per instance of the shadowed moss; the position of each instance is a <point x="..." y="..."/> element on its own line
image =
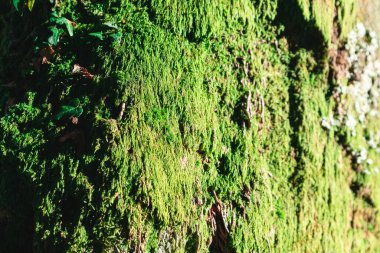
<point x="323" y="13"/>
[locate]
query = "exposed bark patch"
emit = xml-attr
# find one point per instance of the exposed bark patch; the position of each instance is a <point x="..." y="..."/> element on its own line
<point x="216" y="219"/>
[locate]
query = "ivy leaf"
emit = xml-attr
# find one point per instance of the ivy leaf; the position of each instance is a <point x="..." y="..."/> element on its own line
<point x="16" y="4"/>
<point x="98" y="35"/>
<point x="31" y="4"/>
<point x="69" y="28"/>
<point x="116" y="36"/>
<point x="67" y="23"/>
<point x="72" y="110"/>
<point x="56" y="34"/>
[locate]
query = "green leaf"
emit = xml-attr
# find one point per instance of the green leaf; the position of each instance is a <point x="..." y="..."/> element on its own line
<point x="31" y="4"/>
<point x="67" y="23"/>
<point x="68" y="111"/>
<point x="56" y="34"/>
<point x="75" y="102"/>
<point x="60" y="20"/>
<point x="16" y="4"/>
<point x="111" y="25"/>
<point x="69" y="28"/>
<point x="98" y="35"/>
<point x="116" y="36"/>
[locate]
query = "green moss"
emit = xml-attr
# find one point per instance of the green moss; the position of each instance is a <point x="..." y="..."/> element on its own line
<point x="214" y="101"/>
<point x="323" y="13"/>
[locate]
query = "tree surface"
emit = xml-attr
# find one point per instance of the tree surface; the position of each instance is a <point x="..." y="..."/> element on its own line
<point x="180" y="126"/>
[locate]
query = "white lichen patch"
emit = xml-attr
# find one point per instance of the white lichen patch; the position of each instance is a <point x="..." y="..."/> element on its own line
<point x="357" y="97"/>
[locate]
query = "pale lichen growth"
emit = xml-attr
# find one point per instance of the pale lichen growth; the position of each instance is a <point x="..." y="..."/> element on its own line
<point x="357" y="95"/>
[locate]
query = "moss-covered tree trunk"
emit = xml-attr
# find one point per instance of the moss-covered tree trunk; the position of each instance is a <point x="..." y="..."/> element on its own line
<point x="173" y="126"/>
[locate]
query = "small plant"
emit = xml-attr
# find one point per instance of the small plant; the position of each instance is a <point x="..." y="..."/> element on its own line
<point x="56" y="28"/>
<point x="29" y="3"/>
<point x="113" y="32"/>
<point x="74" y="109"/>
